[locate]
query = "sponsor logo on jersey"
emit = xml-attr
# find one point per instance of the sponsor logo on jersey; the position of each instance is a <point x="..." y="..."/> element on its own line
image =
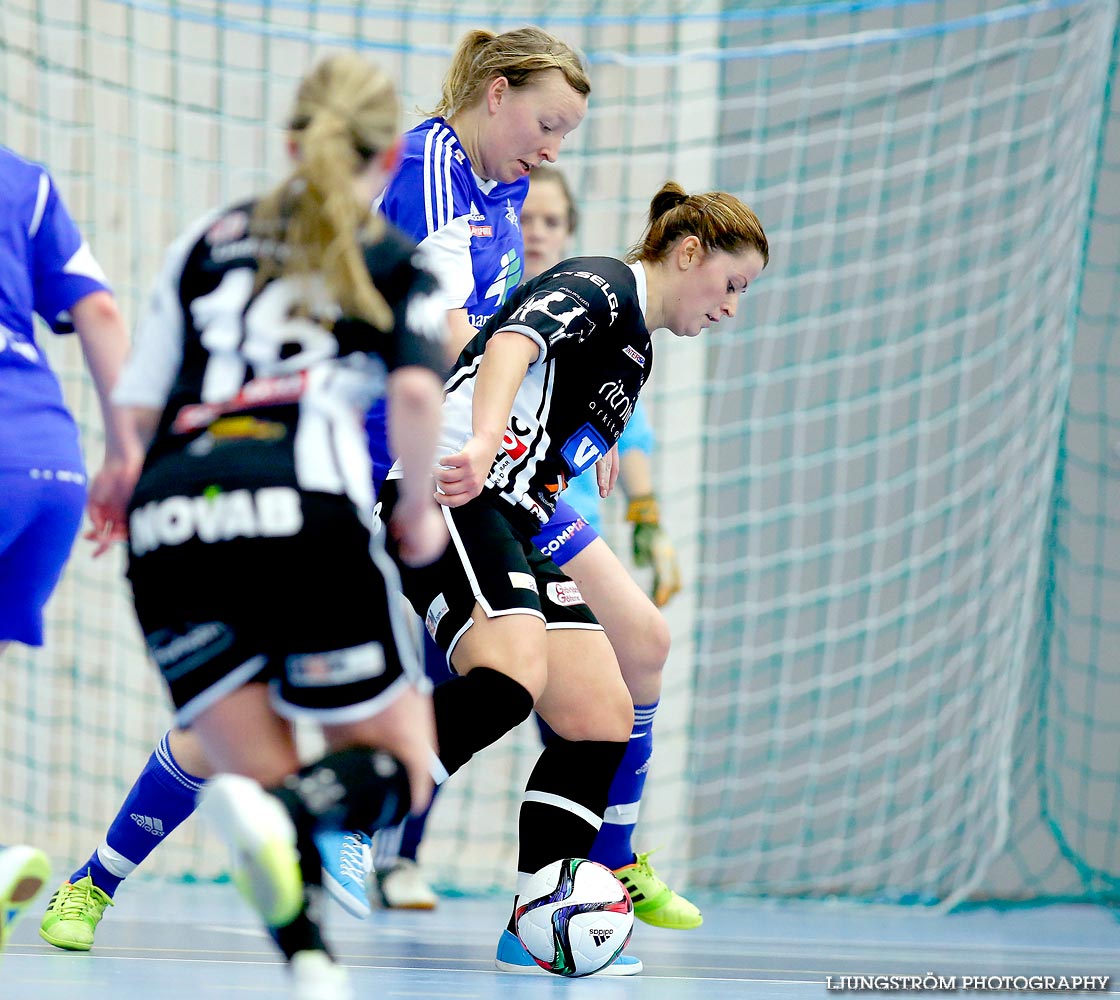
<point x="600" y="282"/>
<point x="436" y="610"/>
<point x="178" y="653"/>
<point x="512" y="444"/>
<point x="633" y="355"/>
<point x="507" y="279"/>
<point x="556" y="316"/>
<point x="244" y="249"/>
<point x="482" y="230"/>
<point x="609" y="418"/>
<point x="228" y="227"/>
<point x="530" y="505"/>
<point x="570" y="531"/>
<point x="583" y="449"/>
<point x="564" y="593"/>
<point x="524" y="581"/>
<point x="258" y="392"/>
<point x="270" y="512"/>
<point x="513" y="448"/>
<point x="58" y="475"/>
<point x="246" y="428"/>
<point x="614" y="395"/>
<point x="337" y="667"/>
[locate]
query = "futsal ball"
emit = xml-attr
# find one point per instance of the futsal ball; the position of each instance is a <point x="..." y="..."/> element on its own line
<point x="574" y="917"/>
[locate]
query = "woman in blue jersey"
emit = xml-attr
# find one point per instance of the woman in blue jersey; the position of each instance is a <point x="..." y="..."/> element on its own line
<point x="548" y="221"/>
<point x="46" y="268"/>
<point x="508" y="101"/>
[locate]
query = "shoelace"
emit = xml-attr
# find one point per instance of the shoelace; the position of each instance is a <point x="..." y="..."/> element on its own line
<point x="351" y="859"/>
<point x="77" y="900"/>
<point x="642" y="861"/>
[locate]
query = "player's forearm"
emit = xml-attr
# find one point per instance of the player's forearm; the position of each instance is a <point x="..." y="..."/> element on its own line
<point x="104" y="340"/>
<point x="503" y="367"/>
<point x="138" y="424"/>
<point x="459" y="333"/>
<point x="415" y="401"/>
<point x="636" y="473"/>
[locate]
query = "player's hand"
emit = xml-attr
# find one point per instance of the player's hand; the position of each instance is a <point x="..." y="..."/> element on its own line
<point x="666" y="570"/>
<point x="606" y="471"/>
<point x="652" y="547"/>
<point x="420" y="532"/>
<point x="107" y="504"/>
<point x="461" y="477"/>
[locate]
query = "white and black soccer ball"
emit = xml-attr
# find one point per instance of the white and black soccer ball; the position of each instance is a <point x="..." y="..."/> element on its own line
<point x="574" y="917"/>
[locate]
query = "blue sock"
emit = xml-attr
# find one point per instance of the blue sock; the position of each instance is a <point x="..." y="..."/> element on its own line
<point x="414" y="830"/>
<point x="163" y="796"/>
<point x="612" y="846"/>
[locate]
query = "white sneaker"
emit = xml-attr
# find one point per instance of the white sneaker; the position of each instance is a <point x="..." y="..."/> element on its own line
<point x="316" y="977"/>
<point x="403" y="887"/>
<point x="262" y="842"/>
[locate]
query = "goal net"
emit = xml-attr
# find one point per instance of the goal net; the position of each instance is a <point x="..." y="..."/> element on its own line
<point x="887" y="480"/>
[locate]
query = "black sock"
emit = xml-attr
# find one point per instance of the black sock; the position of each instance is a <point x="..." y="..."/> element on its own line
<point x="574" y="778"/>
<point x="476" y="710"/>
<point x="355" y="788"/>
<point x="303" y="933"/>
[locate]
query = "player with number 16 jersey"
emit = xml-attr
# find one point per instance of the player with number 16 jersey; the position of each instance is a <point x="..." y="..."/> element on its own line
<point x="260" y="453"/>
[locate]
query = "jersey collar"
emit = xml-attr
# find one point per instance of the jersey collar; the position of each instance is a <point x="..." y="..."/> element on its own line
<point x="484" y="186"/>
<point x="640" y="279"/>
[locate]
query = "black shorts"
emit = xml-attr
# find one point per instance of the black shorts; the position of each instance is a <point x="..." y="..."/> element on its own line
<point x="492" y="561"/>
<point x="280" y="586"/>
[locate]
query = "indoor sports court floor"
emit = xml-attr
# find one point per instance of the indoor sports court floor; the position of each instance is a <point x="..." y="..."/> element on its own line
<point x="201" y="941"/>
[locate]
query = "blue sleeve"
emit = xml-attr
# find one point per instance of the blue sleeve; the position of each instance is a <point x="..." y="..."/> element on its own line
<point x="403" y="202"/>
<point x="428" y="191"/>
<point x="638" y="433"/>
<point x="64" y="269"/>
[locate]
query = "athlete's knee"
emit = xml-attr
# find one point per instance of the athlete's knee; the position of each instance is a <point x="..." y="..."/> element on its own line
<point x="604" y="713"/>
<point x="642" y="652"/>
<point x="186" y="749"/>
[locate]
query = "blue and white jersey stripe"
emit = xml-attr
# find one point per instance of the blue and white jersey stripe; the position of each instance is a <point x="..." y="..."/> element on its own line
<point x="468" y="228"/>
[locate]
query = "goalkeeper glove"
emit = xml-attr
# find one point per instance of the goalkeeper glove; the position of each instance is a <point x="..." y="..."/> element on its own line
<point x="653" y="548"/>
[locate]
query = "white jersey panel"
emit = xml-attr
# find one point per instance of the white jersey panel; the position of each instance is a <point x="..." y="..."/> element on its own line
<point x="157" y="342"/>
